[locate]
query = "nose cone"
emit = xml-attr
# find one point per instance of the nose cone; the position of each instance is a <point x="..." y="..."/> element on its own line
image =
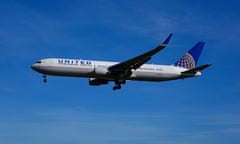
<point x="35" y="67"/>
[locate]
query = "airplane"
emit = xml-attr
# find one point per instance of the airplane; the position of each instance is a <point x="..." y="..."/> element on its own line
<point x="103" y="72"/>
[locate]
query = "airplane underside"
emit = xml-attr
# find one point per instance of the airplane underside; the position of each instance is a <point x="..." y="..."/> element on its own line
<point x="100" y="79"/>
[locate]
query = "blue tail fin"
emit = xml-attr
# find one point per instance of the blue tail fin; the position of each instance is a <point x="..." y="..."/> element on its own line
<point x="190" y="59"/>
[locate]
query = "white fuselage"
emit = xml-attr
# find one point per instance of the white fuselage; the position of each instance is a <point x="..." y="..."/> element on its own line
<point x="99" y="69"/>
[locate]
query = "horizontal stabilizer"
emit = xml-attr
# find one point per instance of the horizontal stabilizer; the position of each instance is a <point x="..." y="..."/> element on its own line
<point x="196" y="69"/>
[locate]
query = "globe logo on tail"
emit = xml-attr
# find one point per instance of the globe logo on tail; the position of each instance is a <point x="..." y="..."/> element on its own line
<point x="187" y="61"/>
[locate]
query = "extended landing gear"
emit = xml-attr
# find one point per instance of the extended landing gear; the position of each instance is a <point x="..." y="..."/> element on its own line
<point x="44" y="78"/>
<point x="118" y="84"/>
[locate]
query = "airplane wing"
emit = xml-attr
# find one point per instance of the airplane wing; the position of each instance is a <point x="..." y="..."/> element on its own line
<point x="124" y="68"/>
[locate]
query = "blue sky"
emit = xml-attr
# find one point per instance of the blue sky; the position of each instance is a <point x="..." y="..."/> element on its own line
<point x="68" y="110"/>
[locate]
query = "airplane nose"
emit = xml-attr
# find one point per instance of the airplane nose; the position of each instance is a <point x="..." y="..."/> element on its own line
<point x="34" y="66"/>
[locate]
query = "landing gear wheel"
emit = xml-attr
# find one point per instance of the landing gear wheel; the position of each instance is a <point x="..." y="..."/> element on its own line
<point x="44" y="78"/>
<point x="117" y="87"/>
<point x="114" y="88"/>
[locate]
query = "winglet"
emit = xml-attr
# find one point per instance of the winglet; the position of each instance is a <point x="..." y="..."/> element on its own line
<point x="165" y="42"/>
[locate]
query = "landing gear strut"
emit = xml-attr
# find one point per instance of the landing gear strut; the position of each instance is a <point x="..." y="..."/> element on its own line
<point x="44" y="78"/>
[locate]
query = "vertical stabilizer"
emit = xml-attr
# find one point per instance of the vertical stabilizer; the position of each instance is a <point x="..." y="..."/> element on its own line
<point x="190" y="59"/>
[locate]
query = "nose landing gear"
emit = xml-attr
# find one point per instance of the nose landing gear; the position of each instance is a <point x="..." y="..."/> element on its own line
<point x="45" y="78"/>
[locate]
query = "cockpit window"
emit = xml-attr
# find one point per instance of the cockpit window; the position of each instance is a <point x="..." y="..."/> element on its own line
<point x="39" y="62"/>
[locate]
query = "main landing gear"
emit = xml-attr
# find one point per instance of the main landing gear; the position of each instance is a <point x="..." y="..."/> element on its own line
<point x="45" y="78"/>
<point x="118" y="84"/>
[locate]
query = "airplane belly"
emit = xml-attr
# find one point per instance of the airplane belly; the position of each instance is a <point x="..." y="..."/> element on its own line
<point x="66" y="71"/>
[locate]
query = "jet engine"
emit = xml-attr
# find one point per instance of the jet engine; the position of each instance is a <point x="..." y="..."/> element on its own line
<point x="96" y="81"/>
<point x="101" y="70"/>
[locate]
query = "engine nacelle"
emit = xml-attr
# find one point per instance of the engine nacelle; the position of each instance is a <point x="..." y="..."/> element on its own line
<point x="96" y="82"/>
<point x="101" y="70"/>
